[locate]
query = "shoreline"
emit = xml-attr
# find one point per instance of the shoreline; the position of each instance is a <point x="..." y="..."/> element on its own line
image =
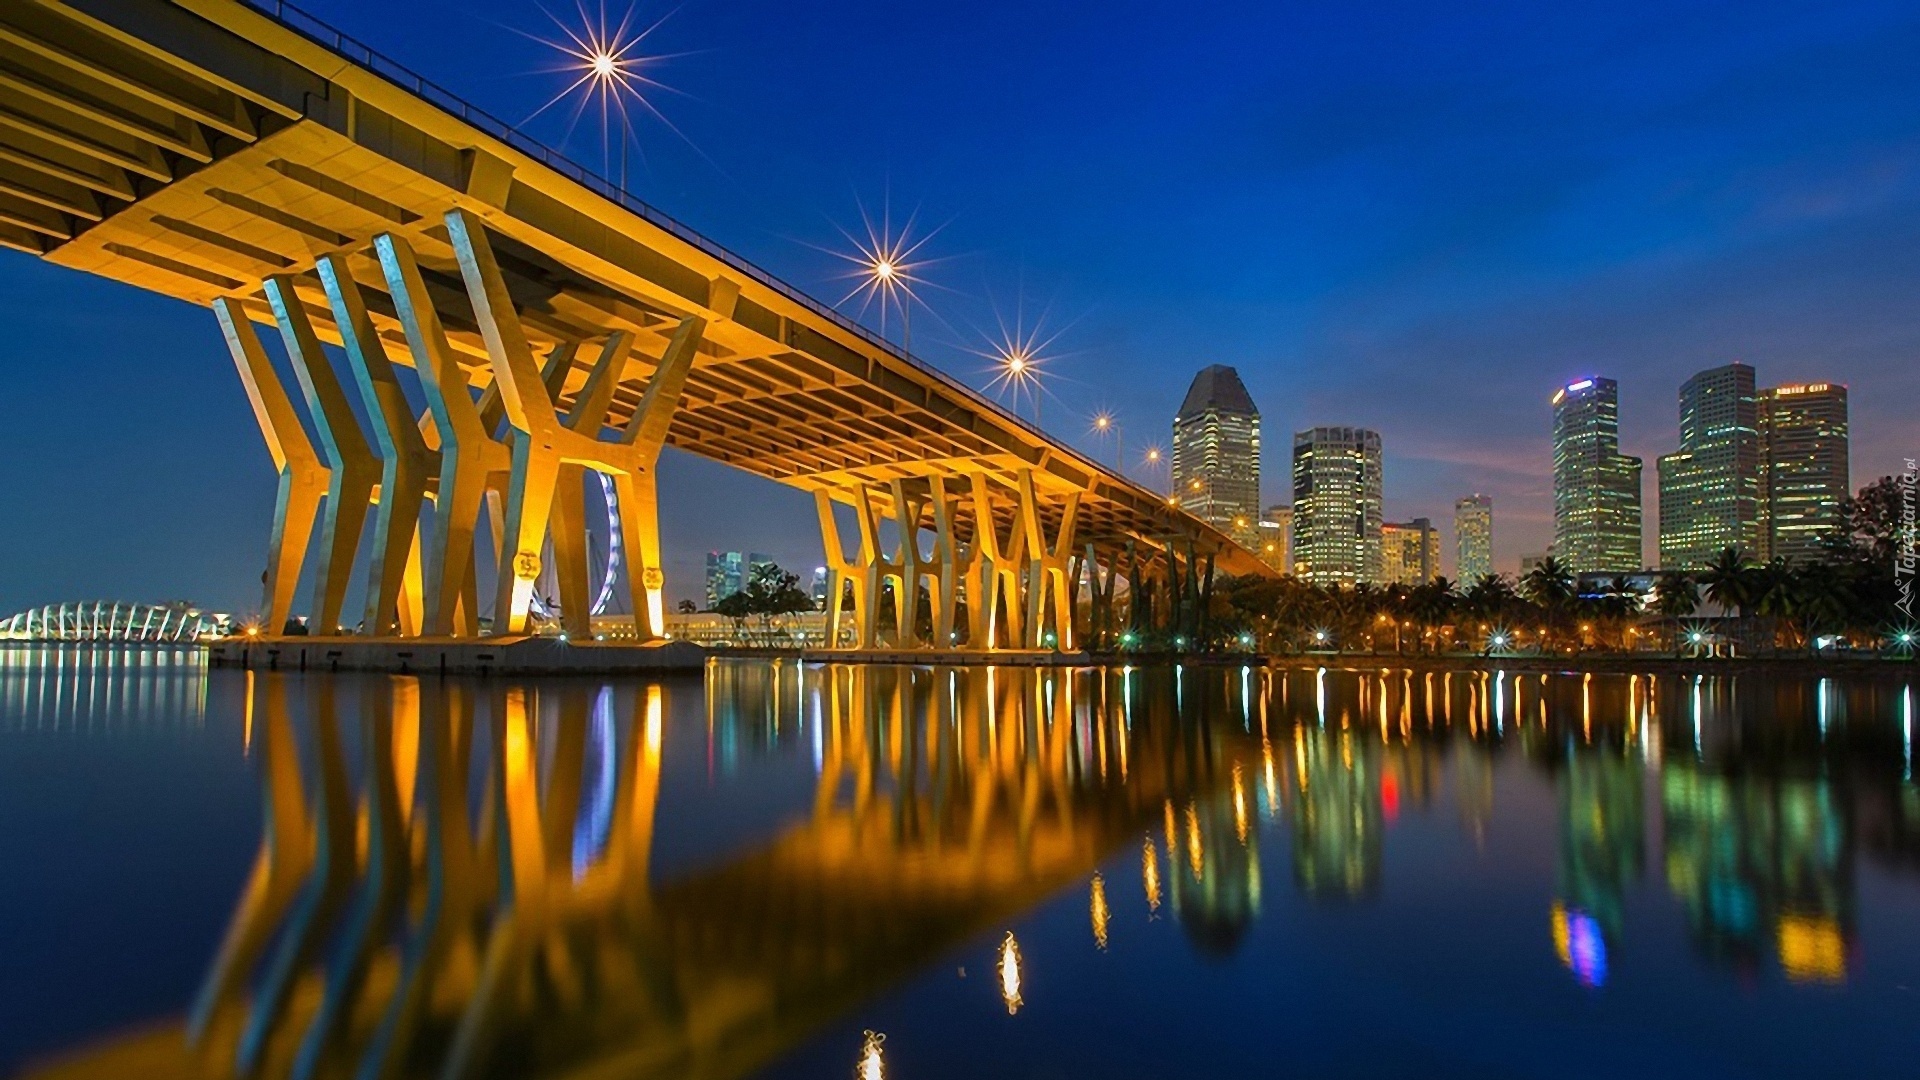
<point x="551" y="656"/>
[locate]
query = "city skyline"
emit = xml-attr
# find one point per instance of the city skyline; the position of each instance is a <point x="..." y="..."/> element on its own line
<point x="1792" y="254"/>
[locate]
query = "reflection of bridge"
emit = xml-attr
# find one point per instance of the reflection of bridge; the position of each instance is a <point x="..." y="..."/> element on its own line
<point x="286" y="176"/>
<point x="394" y="927"/>
<point x="396" y="931"/>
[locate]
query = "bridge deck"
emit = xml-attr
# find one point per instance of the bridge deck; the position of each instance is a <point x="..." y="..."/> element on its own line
<point x="195" y="147"/>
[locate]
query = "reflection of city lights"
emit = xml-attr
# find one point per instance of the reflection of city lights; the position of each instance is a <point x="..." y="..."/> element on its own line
<point x="871" y="1067"/>
<point x="1196" y="852"/>
<point x="1579" y="944"/>
<point x="1097" y="911"/>
<point x="1010" y="974"/>
<point x="1150" y="875"/>
<point x="1812" y="949"/>
<point x="1239" y="804"/>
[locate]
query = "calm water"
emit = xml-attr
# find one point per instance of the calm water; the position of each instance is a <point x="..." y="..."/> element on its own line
<point x="1094" y="873"/>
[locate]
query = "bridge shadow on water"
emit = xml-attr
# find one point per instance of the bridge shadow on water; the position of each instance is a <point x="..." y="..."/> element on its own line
<point x="457" y="878"/>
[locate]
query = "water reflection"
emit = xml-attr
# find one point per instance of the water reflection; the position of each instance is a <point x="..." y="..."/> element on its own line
<point x="455" y="879"/>
<point x="88" y="688"/>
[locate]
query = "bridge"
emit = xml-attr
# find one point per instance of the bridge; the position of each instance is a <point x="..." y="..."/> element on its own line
<point x="390" y="930"/>
<point x="244" y="156"/>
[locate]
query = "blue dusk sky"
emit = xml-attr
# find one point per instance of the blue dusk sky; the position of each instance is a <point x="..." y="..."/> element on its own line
<point x="1420" y="218"/>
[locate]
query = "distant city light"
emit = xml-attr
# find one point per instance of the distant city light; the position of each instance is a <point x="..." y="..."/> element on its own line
<point x="1009" y="970"/>
<point x="871" y="1066"/>
<point x="1579" y="386"/>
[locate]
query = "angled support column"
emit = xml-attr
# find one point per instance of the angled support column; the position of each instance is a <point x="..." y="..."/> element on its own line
<point x="876" y="568"/>
<point x="589" y="415"/>
<point x="393" y="604"/>
<point x="303" y="479"/>
<point x="469" y="454"/>
<point x="844" y="569"/>
<point x="343" y="446"/>
<point x="994" y="589"/>
<point x="1102" y="629"/>
<point x="542" y="444"/>
<point x="951" y="564"/>
<point x="1047" y="569"/>
<point x="635" y="486"/>
<point x="907" y="512"/>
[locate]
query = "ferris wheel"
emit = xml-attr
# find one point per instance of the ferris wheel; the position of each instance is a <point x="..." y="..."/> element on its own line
<point x="606" y="560"/>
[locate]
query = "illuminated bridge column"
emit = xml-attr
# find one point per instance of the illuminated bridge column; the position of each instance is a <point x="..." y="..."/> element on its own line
<point x="908" y="509"/>
<point x="407" y="468"/>
<point x="303" y="479"/>
<point x="543" y="446"/>
<point x="1100" y="631"/>
<point x="993" y="589"/>
<point x="636" y="486"/>
<point x="353" y="471"/>
<point x="952" y="563"/>
<point x="881" y="567"/>
<point x="471" y="459"/>
<point x="844" y="571"/>
<point x="1048" y="572"/>
<point x="569" y="532"/>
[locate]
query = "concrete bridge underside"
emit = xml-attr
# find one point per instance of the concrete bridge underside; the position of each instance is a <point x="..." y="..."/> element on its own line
<point x="248" y="159"/>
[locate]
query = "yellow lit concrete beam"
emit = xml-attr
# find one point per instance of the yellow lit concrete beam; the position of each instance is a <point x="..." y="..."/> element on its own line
<point x="406" y="465"/>
<point x="303" y="479"/>
<point x="471" y="459"/>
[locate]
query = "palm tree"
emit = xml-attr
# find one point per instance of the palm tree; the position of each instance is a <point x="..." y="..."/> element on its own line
<point x="1552" y="588"/>
<point x="1676" y="597"/>
<point x="1729" y="581"/>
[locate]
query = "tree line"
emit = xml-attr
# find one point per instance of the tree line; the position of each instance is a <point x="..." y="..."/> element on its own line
<point x="1847" y="596"/>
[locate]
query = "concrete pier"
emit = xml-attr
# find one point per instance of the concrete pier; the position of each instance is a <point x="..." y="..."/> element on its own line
<point x="457" y="656"/>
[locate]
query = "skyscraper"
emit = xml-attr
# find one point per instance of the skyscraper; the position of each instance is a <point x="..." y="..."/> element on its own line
<point x="1409" y="552"/>
<point x="1336" y="505"/>
<point x="726" y="575"/>
<point x="1596" y="489"/>
<point x="1472" y="538"/>
<point x="1216" y="454"/>
<point x="1803" y="467"/>
<point x="1276" y="537"/>
<point x="1710" y="487"/>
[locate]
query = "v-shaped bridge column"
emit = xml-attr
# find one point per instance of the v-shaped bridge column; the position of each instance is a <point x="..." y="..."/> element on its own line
<point x="1047" y="569"/>
<point x="636" y="487"/>
<point x="353" y="472"/>
<point x="907" y="511"/>
<point x="303" y="479"/>
<point x="469" y="454"/>
<point x="394" y="600"/>
<point x="542" y="444"/>
<point x="951" y="565"/>
<point x="994" y="587"/>
<point x="589" y="415"/>
<point x="844" y="570"/>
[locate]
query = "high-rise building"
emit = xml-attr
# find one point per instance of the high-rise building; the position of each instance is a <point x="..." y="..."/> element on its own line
<point x="1276" y="537"/>
<point x="1472" y="538"/>
<point x="1336" y="505"/>
<point x="1216" y="454"/>
<point x="1596" y="489"/>
<point x="754" y="563"/>
<point x="1803" y="468"/>
<point x="1409" y="552"/>
<point x="726" y="573"/>
<point x="1710" y="487"/>
<point x="819" y="591"/>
